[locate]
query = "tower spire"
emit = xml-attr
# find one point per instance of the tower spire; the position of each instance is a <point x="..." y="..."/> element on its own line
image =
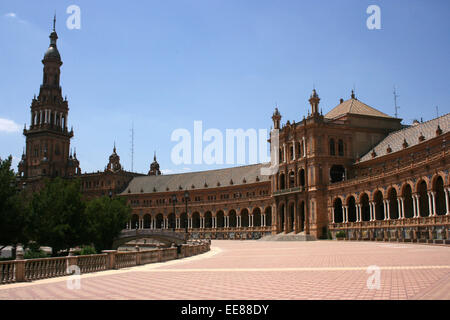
<point x="54" y="22"/>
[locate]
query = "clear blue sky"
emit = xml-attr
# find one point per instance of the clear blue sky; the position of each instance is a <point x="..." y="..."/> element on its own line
<point x="164" y="64"/>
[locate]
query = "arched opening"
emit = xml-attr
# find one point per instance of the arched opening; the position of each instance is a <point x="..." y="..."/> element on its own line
<point x="423" y="200"/>
<point x="337" y="173"/>
<point x="171" y="220"/>
<point x="159" y="221"/>
<point x="244" y="218"/>
<point x="208" y="219"/>
<point x="408" y="201"/>
<point x="393" y="204"/>
<point x="257" y="217"/>
<point x="196" y="220"/>
<point x="338" y="214"/>
<point x="268" y="213"/>
<point x="332" y="148"/>
<point x="183" y="220"/>
<point x="291" y="179"/>
<point x="302" y="177"/>
<point x="282" y="181"/>
<point x="220" y="219"/>
<point x="134" y="221"/>
<point x="365" y="207"/>
<point x="232" y="218"/>
<point x="379" y="206"/>
<point x="341" y="148"/>
<point x="290" y="224"/>
<point x="351" y="205"/>
<point x="147" y="221"/>
<point x="439" y="196"/>
<point x="302" y="216"/>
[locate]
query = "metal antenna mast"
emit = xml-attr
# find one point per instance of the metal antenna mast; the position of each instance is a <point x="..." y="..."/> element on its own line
<point x="395" y="103"/>
<point x="132" y="146"/>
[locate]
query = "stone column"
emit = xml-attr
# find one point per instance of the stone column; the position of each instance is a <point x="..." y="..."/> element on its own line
<point x="263" y="220"/>
<point x="399" y="206"/>
<point x="304" y="147"/>
<point x="345" y="211"/>
<point x="332" y="214"/>
<point x="430" y="204"/>
<point x="293" y="148"/>
<point x="284" y="153"/>
<point x="447" y="202"/>
<point x="358" y="213"/>
<point x="416" y="206"/>
<point x="433" y="197"/>
<point x="387" y="215"/>
<point x="371" y="211"/>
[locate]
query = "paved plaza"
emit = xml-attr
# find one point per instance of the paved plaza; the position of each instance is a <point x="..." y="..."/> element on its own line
<point x="267" y="270"/>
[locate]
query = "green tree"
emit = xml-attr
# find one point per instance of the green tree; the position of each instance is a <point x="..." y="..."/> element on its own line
<point x="107" y="219"/>
<point x="14" y="208"/>
<point x="58" y="217"/>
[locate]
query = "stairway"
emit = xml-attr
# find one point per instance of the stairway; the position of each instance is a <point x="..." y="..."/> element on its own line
<point x="288" y="237"/>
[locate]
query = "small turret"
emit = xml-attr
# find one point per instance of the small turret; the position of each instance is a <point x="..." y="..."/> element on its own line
<point x="276" y="117"/>
<point x="314" y="101"/>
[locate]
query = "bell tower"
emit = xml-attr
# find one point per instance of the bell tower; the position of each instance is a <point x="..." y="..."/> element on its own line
<point x="48" y="138"/>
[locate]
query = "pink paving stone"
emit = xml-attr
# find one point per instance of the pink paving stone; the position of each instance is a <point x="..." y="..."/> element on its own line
<point x="197" y="279"/>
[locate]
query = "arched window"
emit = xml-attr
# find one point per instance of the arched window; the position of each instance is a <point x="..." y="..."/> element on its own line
<point x="332" y="148"/>
<point x="282" y="182"/>
<point x="291" y="179"/>
<point x="302" y="177"/>
<point x="337" y="173"/>
<point x="341" y="148"/>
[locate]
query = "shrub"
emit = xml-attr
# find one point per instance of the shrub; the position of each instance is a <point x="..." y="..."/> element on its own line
<point x="340" y="234"/>
<point x="35" y="254"/>
<point x="86" y="250"/>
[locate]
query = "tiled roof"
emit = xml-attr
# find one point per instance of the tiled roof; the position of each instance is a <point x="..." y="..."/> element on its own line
<point x="354" y="106"/>
<point x="395" y="139"/>
<point x="212" y="178"/>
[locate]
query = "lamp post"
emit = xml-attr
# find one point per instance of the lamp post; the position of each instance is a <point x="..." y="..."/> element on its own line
<point x="186" y="197"/>
<point x="174" y="200"/>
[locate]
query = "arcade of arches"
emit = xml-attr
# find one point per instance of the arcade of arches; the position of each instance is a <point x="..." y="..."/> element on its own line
<point x="418" y="209"/>
<point x="248" y="222"/>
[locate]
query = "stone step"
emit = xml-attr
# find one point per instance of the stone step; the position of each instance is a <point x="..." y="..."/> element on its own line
<point x="288" y="237"/>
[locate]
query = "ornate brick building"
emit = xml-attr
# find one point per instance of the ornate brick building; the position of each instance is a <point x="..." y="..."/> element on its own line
<point x="354" y="169"/>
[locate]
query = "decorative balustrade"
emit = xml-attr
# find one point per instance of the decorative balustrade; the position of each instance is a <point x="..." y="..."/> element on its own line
<point x="150" y="256"/>
<point x="92" y="263"/>
<point x="44" y="268"/>
<point x="419" y="221"/>
<point x="35" y="269"/>
<point x="7" y="272"/>
<point x="125" y="259"/>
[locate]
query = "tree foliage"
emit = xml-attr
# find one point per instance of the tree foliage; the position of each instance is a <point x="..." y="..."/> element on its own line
<point x="13" y="207"/>
<point x="107" y="217"/>
<point x="58" y="217"/>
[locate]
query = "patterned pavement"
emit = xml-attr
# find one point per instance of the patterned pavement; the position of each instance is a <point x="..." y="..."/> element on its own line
<point x="267" y="270"/>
